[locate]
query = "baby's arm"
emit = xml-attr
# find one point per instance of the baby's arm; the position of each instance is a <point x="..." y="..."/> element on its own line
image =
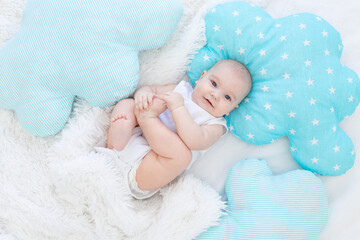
<point x="194" y="136"/>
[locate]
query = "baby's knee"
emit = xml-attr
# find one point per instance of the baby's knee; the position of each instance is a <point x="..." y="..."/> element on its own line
<point x="158" y="106"/>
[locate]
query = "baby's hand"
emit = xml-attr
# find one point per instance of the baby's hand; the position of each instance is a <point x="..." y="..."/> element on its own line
<point x="157" y="107"/>
<point x="173" y="100"/>
<point x="143" y="99"/>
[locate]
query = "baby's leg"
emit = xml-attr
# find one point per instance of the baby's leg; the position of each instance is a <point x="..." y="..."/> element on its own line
<point x="156" y="171"/>
<point x="123" y="122"/>
<point x="169" y="156"/>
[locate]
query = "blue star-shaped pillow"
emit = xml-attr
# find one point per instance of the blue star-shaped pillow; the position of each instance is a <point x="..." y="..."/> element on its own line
<point x="262" y="206"/>
<point x="300" y="88"/>
<point x="87" y="49"/>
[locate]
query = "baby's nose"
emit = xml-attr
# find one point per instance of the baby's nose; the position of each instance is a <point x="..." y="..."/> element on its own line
<point x="215" y="95"/>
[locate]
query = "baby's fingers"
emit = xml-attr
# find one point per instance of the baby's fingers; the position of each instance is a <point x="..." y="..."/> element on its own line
<point x="145" y="102"/>
<point x="139" y="105"/>
<point x="150" y="99"/>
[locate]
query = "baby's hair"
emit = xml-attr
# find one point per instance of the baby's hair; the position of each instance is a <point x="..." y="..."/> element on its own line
<point x="239" y="67"/>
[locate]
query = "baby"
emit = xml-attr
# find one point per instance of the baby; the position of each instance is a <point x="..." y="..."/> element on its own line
<point x="164" y="129"/>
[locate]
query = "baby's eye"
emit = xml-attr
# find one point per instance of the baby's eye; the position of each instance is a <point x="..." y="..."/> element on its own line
<point x="213" y="83"/>
<point x="227" y="97"/>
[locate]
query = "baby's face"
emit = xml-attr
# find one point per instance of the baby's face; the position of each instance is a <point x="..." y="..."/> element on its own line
<point x="220" y="90"/>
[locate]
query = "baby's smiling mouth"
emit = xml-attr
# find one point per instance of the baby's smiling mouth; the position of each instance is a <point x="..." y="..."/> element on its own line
<point x="208" y="101"/>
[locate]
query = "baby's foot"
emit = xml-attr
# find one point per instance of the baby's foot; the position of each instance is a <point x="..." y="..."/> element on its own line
<point x="121" y="116"/>
<point x="155" y="109"/>
<point x="122" y="127"/>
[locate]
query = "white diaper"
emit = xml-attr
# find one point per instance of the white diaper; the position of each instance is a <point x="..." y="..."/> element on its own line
<point x="129" y="160"/>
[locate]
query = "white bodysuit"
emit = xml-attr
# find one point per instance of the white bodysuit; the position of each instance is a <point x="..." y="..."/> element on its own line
<point x="137" y="147"/>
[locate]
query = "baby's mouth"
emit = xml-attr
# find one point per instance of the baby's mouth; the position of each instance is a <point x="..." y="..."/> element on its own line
<point x="208" y="101"/>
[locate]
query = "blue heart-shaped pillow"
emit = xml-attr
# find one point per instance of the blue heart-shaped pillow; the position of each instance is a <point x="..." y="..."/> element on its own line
<point x="300" y="88"/>
<point x="87" y="49"/>
<point x="262" y="206"/>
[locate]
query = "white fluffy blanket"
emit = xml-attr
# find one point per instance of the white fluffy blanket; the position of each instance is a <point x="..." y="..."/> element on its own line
<point x="59" y="188"/>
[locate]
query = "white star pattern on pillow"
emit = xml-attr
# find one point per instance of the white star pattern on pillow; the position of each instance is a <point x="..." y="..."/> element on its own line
<point x="300" y="88"/>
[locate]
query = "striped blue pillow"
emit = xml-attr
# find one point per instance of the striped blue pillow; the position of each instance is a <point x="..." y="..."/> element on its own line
<point x="87" y="49"/>
<point x="262" y="206"/>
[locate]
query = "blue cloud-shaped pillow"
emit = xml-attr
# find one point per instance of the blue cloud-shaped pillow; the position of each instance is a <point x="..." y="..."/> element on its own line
<point x="87" y="49"/>
<point x="262" y="206"/>
<point x="300" y="88"/>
